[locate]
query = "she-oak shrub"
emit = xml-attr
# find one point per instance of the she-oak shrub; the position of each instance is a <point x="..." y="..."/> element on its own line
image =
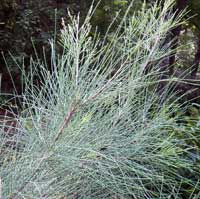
<point x="96" y="127"/>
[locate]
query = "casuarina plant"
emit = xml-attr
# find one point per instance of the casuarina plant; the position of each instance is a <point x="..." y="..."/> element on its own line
<point x="94" y="124"/>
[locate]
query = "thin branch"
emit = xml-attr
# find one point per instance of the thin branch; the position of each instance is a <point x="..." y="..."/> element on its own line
<point x="65" y="123"/>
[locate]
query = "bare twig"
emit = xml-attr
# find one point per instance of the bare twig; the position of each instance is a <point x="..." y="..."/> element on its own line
<point x="65" y="123"/>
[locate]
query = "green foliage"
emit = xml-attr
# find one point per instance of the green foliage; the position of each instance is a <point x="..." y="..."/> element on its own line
<point x="120" y="2"/>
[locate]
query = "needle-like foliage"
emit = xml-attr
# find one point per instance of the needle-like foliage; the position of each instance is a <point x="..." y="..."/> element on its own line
<point x="94" y="125"/>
